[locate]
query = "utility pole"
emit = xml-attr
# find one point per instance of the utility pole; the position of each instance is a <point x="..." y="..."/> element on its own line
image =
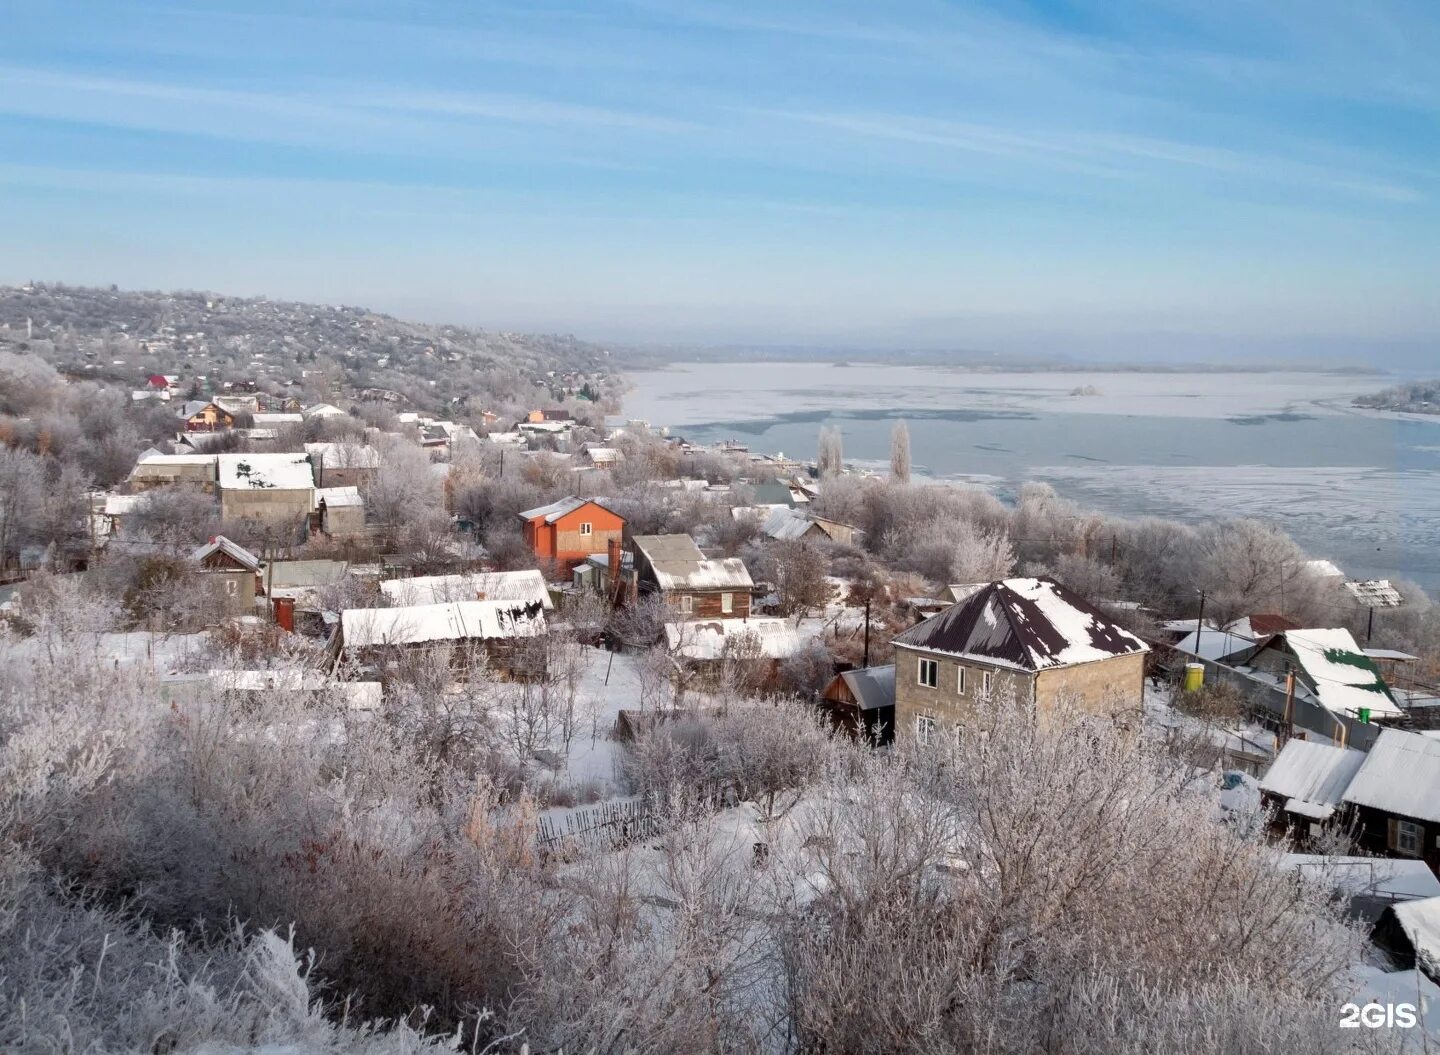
<point x="1200" y="623"/>
<point x="866" y="661"/>
<point x="1370" y="624"/>
<point x="1289" y="705"/>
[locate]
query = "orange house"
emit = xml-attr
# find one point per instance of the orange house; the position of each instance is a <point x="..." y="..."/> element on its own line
<point x="568" y="531"/>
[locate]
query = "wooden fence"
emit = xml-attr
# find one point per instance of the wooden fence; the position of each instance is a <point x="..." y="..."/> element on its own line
<point x="597" y="829"/>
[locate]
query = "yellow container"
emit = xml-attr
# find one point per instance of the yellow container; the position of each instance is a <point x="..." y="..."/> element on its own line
<point x="1194" y="677"/>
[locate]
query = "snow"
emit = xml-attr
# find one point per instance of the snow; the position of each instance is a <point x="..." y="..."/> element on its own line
<point x="1390" y="877"/>
<point x="233" y="550"/>
<point x="728" y="573"/>
<point x="1345" y="680"/>
<point x="1400" y="775"/>
<point x="1213" y="644"/>
<point x="454" y="621"/>
<point x="555" y="510"/>
<point x="1375" y="986"/>
<point x="345" y="455"/>
<point x="337" y="497"/>
<point x="284" y="472"/>
<point x="705" y="639"/>
<point x="527" y="586"/>
<point x="1421" y="922"/>
<point x="1312" y="777"/>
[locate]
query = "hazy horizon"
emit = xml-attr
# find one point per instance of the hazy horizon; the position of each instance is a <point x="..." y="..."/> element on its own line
<point x="1197" y="181"/>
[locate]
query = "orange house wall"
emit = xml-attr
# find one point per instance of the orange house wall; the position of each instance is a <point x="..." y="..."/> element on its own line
<point x="544" y="539"/>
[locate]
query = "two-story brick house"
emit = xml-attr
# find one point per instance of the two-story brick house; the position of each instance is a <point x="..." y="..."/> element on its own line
<point x="1027" y="644"/>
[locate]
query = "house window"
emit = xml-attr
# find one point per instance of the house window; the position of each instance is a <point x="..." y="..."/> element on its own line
<point x="960" y="680"/>
<point x="1409" y="838"/>
<point x="925" y="728"/>
<point x="727" y="603"/>
<point x="928" y="673"/>
<point x="232" y="588"/>
<point x="586" y="529"/>
<point x="987" y="679"/>
<point x="687" y="603"/>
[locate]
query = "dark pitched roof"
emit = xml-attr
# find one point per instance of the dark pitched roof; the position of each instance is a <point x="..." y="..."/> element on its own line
<point x="1029" y="624"/>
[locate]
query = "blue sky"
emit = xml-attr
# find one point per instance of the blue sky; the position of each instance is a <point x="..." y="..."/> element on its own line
<point x="1167" y="177"/>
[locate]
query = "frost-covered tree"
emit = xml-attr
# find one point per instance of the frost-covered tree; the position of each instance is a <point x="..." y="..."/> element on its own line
<point x="900" y="452"/>
<point x="830" y="454"/>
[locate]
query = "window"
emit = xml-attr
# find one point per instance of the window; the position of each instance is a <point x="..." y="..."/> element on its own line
<point x="959" y="734"/>
<point x="925" y="726"/>
<point x="232" y="588"/>
<point x="928" y="673"/>
<point x="586" y="529"/>
<point x="960" y="680"/>
<point x="1409" y="838"/>
<point x="687" y="603"/>
<point x="727" y="603"/>
<point x="987" y="679"/>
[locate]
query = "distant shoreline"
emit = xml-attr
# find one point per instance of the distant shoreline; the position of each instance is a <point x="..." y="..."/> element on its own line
<point x="984" y="368"/>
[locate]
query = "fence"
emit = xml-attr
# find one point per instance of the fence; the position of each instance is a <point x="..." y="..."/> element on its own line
<point x="599" y="828"/>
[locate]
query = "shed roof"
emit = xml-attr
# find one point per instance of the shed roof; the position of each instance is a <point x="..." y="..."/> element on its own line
<point x="281" y="472"/>
<point x="338" y="497"/>
<point x="1375" y="593"/>
<point x="1400" y="775"/>
<point x="1311" y="776"/>
<point x="872" y="687"/>
<point x="1343" y="679"/>
<point x="1029" y="624"/>
<point x="1420" y="920"/>
<point x="657" y="548"/>
<point x="786" y="524"/>
<point x="451" y="621"/>
<point x="527" y="586"/>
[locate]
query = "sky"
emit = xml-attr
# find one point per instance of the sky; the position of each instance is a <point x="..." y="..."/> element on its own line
<point x="1108" y="178"/>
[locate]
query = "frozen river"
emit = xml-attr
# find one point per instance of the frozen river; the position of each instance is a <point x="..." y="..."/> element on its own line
<point x="1360" y="488"/>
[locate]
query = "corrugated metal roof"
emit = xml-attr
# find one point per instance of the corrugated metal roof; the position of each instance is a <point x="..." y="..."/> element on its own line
<point x="562" y="507"/>
<point x="728" y="573"/>
<point x="872" y="687"/>
<point x="667" y="548"/>
<point x="454" y="621"/>
<point x="526" y="586"/>
<point x="1032" y="624"/>
<point x="1375" y="593"/>
<point x="1342" y="677"/>
<point x="1400" y="775"/>
<point x="1312" y="773"/>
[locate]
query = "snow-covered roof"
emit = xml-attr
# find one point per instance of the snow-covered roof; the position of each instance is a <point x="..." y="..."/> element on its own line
<point x="1375" y="593"/>
<point x="1312" y="777"/>
<point x="1213" y="644"/>
<point x="557" y="509"/>
<point x="451" y="621"/>
<point x="233" y="550"/>
<point x="158" y="459"/>
<point x="1325" y="568"/>
<point x="265" y="418"/>
<point x="1260" y="625"/>
<point x="345" y="455"/>
<point x="323" y="410"/>
<point x="1400" y="775"/>
<point x="337" y="497"/>
<point x="786" y="524"/>
<point x="1420" y="920"/>
<point x="1032" y="624"/>
<point x="1342" y="677"/>
<point x="527" y="586"/>
<point x="1391" y="877"/>
<point x="119" y="505"/>
<point x="282" y="472"/>
<point x="290" y="678"/>
<point x="604" y="455"/>
<point x="705" y="639"/>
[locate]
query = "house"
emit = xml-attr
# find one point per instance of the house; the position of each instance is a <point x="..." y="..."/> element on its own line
<point x="162" y="382"/>
<point x="116" y="509"/>
<point x="569" y="530"/>
<point x="526" y="587"/>
<point x="757" y="645"/>
<point x="549" y="416"/>
<point x="786" y="524"/>
<point x="202" y="416"/>
<point x="498" y="628"/>
<point x="862" y="702"/>
<point x="235" y="569"/>
<point x="1257" y="627"/>
<point x="341" y="511"/>
<point x="1026" y="643"/>
<point x="776" y="493"/>
<point x="597" y="457"/>
<point x="315" y="685"/>
<point x="1395" y="797"/>
<point x="163" y="470"/>
<point x="1331" y="671"/>
<point x="343" y="464"/>
<point x="673" y="567"/>
<point x="1306" y="783"/>
<point x="277" y="421"/>
<point x="322" y="410"/>
<point x="1375" y="593"/>
<point x="276" y="490"/>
